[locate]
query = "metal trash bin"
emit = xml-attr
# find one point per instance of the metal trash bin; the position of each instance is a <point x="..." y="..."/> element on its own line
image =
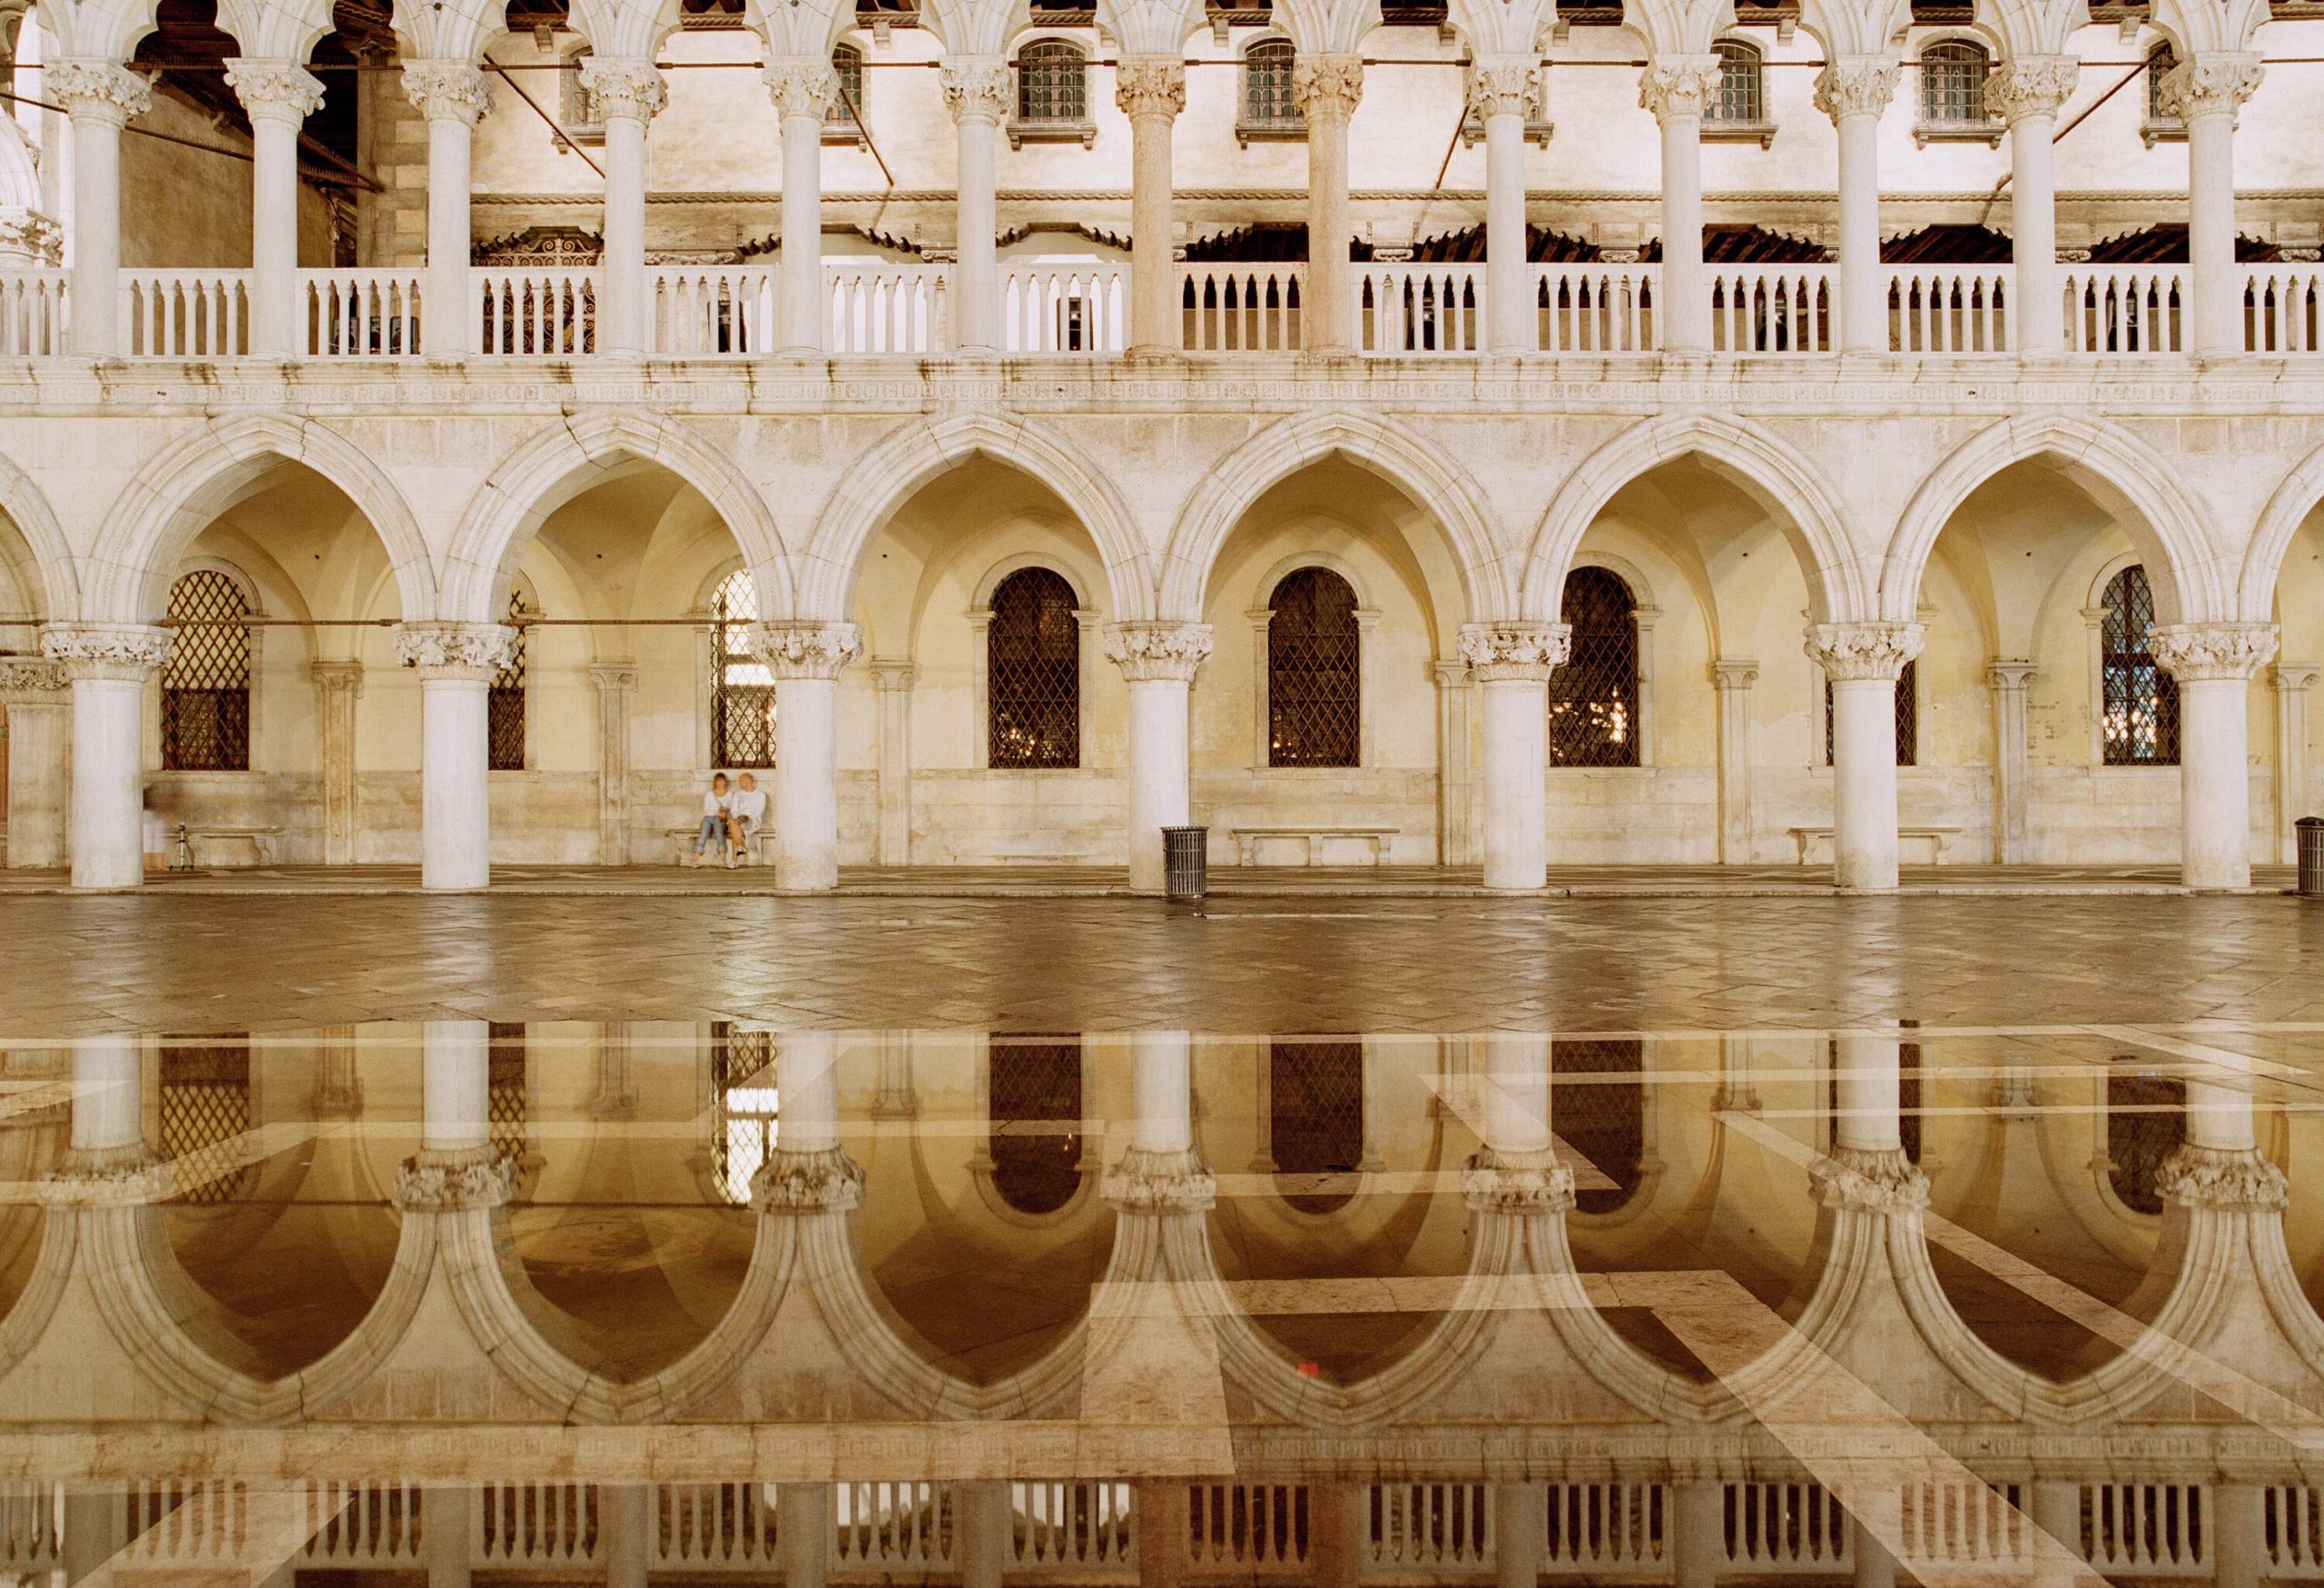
<point x="2310" y="830"/>
<point x="1186" y="862"/>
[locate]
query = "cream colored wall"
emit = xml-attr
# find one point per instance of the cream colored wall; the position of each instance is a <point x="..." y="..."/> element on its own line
<point x="185" y="207"/>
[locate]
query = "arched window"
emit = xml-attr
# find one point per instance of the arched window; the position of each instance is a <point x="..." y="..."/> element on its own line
<point x="205" y="1114"/>
<point x="1033" y="1110"/>
<point x="1598" y="1108"/>
<point x="2160" y="63"/>
<point x="1908" y="716"/>
<point x="742" y="689"/>
<point x="745" y="1108"/>
<point x="206" y="684"/>
<point x="2146" y="1122"/>
<point x="1315" y="1122"/>
<point x="2138" y="710"/>
<point x="1593" y="698"/>
<point x="1267" y="103"/>
<point x="1053" y="83"/>
<point x="845" y="112"/>
<point x="1742" y="84"/>
<point x="577" y="109"/>
<point x="1033" y="672"/>
<point x="1953" y="84"/>
<point x="505" y="705"/>
<point x="1315" y="689"/>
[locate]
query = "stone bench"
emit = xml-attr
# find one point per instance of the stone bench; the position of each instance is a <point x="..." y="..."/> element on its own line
<point x="759" y="849"/>
<point x="197" y="844"/>
<point x="1314" y="833"/>
<point x="1816" y="844"/>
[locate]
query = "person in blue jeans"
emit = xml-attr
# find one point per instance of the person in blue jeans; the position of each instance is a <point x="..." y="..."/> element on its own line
<point x="717" y="812"/>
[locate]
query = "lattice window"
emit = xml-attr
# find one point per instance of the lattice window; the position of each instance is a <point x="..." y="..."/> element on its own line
<point x="2139" y="715"/>
<point x="205" y="1112"/>
<point x="741" y="688"/>
<point x="847" y="65"/>
<point x="507" y="1101"/>
<point x="1033" y="672"/>
<point x="1602" y="1120"/>
<point x="206" y="684"/>
<point x="1953" y="84"/>
<point x="1908" y="716"/>
<point x="2146" y="1122"/>
<point x="1315" y="672"/>
<point x="1267" y="100"/>
<point x="1315" y="1122"/>
<point x="745" y="1108"/>
<point x="1742" y="84"/>
<point x="2159" y="63"/>
<point x="505" y="703"/>
<point x="1593" y="698"/>
<point x="1052" y="82"/>
<point x="1033" y="1110"/>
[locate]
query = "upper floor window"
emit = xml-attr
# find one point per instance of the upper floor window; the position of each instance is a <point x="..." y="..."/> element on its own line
<point x="1033" y="672"/>
<point x="206" y="684"/>
<point x="1908" y="716"/>
<point x="741" y="688"/>
<point x="1052" y="84"/>
<point x="1742" y="96"/>
<point x="1953" y="85"/>
<point x="2139" y="711"/>
<point x="577" y="117"/>
<point x="505" y="703"/>
<point x="845" y="114"/>
<point x="1593" y="698"/>
<point x="2161" y="122"/>
<point x="1267" y="103"/>
<point x="1315" y="689"/>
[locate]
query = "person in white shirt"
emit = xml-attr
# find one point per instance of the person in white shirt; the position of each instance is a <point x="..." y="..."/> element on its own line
<point x="717" y="812"/>
<point x="748" y="812"/>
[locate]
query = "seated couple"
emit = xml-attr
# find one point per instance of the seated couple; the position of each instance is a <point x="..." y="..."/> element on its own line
<point x="731" y="812"/>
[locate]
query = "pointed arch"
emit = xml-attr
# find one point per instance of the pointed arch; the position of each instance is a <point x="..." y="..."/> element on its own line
<point x="2120" y="473"/>
<point x="1772" y="471"/>
<point x="2300" y="494"/>
<point x="54" y="581"/>
<point x="887" y="475"/>
<point x="185" y="486"/>
<point x="561" y="462"/>
<point x="1431" y="479"/>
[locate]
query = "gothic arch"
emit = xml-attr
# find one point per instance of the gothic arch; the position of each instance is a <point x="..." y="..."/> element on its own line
<point x="2302" y="492"/>
<point x="54" y="585"/>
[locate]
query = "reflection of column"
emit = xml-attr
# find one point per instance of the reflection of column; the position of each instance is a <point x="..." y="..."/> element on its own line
<point x="2057" y="1511"/>
<point x="616" y="682"/>
<point x="802" y="1526"/>
<point x="97" y="1528"/>
<point x="35" y="693"/>
<point x="1326" y="88"/>
<point x="807" y="659"/>
<point x="1159" y="661"/>
<point x="802" y="91"/>
<point x="980" y="1516"/>
<point x="456" y="663"/>
<point x="339" y="1075"/>
<point x="1875" y="1513"/>
<point x="456" y="1087"/>
<point x="2239" y="1536"/>
<point x="1698" y="1533"/>
<point x="1337" y="1523"/>
<point x="108" y="1101"/>
<point x="109" y="667"/>
<point x="2027" y="92"/>
<point x="1511" y="664"/>
<point x="1162" y="1092"/>
<point x="337" y="686"/>
<point x="892" y="678"/>
<point x="1151" y="90"/>
<point x="1676" y="88"/>
<point x="1520" y="1523"/>
<point x="624" y="1542"/>
<point x="616" y="1094"/>
<point x="1862" y="662"/>
<point x="2292" y="680"/>
<point x="1869" y="1092"/>
<point x="1454" y="843"/>
<point x="1732" y="677"/>
<point x="1162" y="1522"/>
<point x="445" y="1535"/>
<point x="2213" y="664"/>
<point x="2011" y="682"/>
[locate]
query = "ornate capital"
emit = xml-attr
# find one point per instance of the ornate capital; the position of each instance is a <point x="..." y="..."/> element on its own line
<point x="1150" y="85"/>
<point x="1145" y="1181"/>
<point x="338" y="677"/>
<point x="432" y="1181"/>
<point x="2010" y="673"/>
<point x="629" y="89"/>
<point x="103" y="91"/>
<point x="2289" y="677"/>
<point x="1505" y="86"/>
<point x="1850" y="652"/>
<point x="1855" y="85"/>
<point x="2031" y="85"/>
<point x="29" y="238"/>
<point x="21" y="675"/>
<point x="1327" y="85"/>
<point x="2196" y="652"/>
<point x="128" y="1175"/>
<point x="807" y="650"/>
<point x="1869" y="1180"/>
<point x="1496" y="652"/>
<point x="1147" y="651"/>
<point x="802" y="87"/>
<point x="1679" y="85"/>
<point x="447" y="90"/>
<point x="456" y="650"/>
<point x="1733" y="672"/>
<point x="2211" y="85"/>
<point x="976" y="86"/>
<point x="2224" y="1179"/>
<point x="1516" y="1183"/>
<point x="826" y="1181"/>
<point x="274" y="90"/>
<point x="123" y="651"/>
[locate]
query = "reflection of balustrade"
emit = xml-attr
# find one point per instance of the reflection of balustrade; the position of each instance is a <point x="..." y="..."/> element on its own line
<point x="1781" y="1528"/>
<point x="2146" y="1530"/>
<point x="1248" y="1529"/>
<point x="713" y="1527"/>
<point x="880" y="1527"/>
<point x="533" y="1524"/>
<point x="31" y="1529"/>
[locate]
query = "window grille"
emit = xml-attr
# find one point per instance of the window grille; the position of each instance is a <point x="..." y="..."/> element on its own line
<point x="745" y="1108"/>
<point x="1033" y="672"/>
<point x="2160" y="63"/>
<point x="741" y="688"/>
<point x="505" y="703"/>
<point x="206" y="684"/>
<point x="1602" y="1118"/>
<point x="1908" y="716"/>
<point x="2146" y="1122"/>
<point x="1267" y="100"/>
<point x="506" y="1102"/>
<point x="1742" y="95"/>
<point x="579" y="106"/>
<point x="1052" y="82"/>
<point x="205" y="1114"/>
<point x="847" y="65"/>
<point x="1953" y="85"/>
<point x="1315" y="706"/>
<point x="2139" y="717"/>
<point x="1033" y="1114"/>
<point x="1593" y="697"/>
<point x="1315" y="1122"/>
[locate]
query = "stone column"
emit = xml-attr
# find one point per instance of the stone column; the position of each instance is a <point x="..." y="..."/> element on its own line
<point x="1862" y="660"/>
<point x="2011" y="681"/>
<point x="37" y="695"/>
<point x="1159" y="659"/>
<point x="2239" y="1536"/>
<point x="976" y="90"/>
<point x="453" y="97"/>
<point x="806" y="659"/>
<point x="1455" y="845"/>
<point x="2027" y="93"/>
<point x="802" y="1526"/>
<point x="981" y="1525"/>
<point x="803" y="90"/>
<point x="2293" y="680"/>
<point x="616" y="682"/>
<point x="2213" y="664"/>
<point x="1875" y="1513"/>
<point x="626" y="95"/>
<point x="625" y="1533"/>
<point x="97" y="1529"/>
<point x="102" y="97"/>
<point x="1697" y="1525"/>
<point x="2057" y="1511"/>
<point x="1162" y="1532"/>
<point x="109" y="665"/>
<point x="1511" y="664"/>
<point x="447" y="1511"/>
<point x="1337" y="1525"/>
<point x="456" y="663"/>
<point x="1151" y="90"/>
<point x="1855" y="91"/>
<point x="1520" y="1524"/>
<point x="278" y="96"/>
<point x="337" y="686"/>
<point x="1501" y="91"/>
<point x="893" y="680"/>
<point x="1732" y="677"/>
<point x="2204" y="93"/>
<point x="1326" y="88"/>
<point x="1676" y="88"/>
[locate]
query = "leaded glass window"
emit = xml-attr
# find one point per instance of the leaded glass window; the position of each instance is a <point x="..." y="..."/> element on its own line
<point x="1597" y="1109"/>
<point x="2146" y="1122"/>
<point x="847" y="65"/>
<point x="1315" y="1122"/>
<point x="1953" y="84"/>
<point x="205" y="1114"/>
<point x="1908" y="716"/>
<point x="1742" y="86"/>
<point x="1315" y="689"/>
<point x="2159" y="63"/>
<point x="1033" y="672"/>
<point x="2139" y="713"/>
<point x="745" y="1108"/>
<point x="505" y="703"/>
<point x="1266" y="85"/>
<point x="1052" y="82"/>
<point x="1033" y="1114"/>
<point x="206" y="684"/>
<point x="742" y="687"/>
<point x="1593" y="697"/>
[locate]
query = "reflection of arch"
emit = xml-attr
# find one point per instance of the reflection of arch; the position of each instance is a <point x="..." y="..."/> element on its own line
<point x="1315" y="1122"/>
<point x="1032" y="1089"/>
<point x="1602" y="1120"/>
<point x="2288" y="508"/>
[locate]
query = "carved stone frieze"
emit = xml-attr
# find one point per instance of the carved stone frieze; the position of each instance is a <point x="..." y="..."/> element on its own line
<point x="807" y="650"/>
<point x="123" y="652"/>
<point x="1855" y="87"/>
<point x="274" y="90"/>
<point x="2031" y="85"/>
<point x="447" y="90"/>
<point x="976" y="86"/>
<point x="1869" y="1180"/>
<point x="455" y="649"/>
<point x="2211" y="85"/>
<point x="630" y="90"/>
<point x="99" y="89"/>
<point x="1150" y="85"/>
<point x="455" y="1182"/>
<point x="800" y="88"/>
<point x="2222" y="1180"/>
<point x="1679" y="85"/>
<point x="1516" y="1182"/>
<point x="1327" y="85"/>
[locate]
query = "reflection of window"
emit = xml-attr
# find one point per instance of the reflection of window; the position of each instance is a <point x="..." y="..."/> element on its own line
<point x="1314" y="705"/>
<point x="846" y="107"/>
<point x="2146" y="1122"/>
<point x="505" y="705"/>
<point x="1033" y="672"/>
<point x="1908" y="716"/>
<point x="1267" y="103"/>
<point x="1593" y="697"/>
<point x="1315" y="1120"/>
<point x="1033" y="1107"/>
<point x="1053" y="83"/>
<point x="1598" y="1108"/>
<point x="1741" y="97"/>
<point x="508" y="1095"/>
<point x="742" y="689"/>
<point x="206" y="683"/>
<point x="1953" y="85"/>
<point x="205" y="1114"/>
<point x="745" y="1108"/>
<point x="2139" y="715"/>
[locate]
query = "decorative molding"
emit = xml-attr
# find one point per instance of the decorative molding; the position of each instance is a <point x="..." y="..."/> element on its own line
<point x="1498" y="652"/>
<point x="33" y="676"/>
<point x="1146" y="1181"/>
<point x="824" y="1181"/>
<point x="123" y="652"/>
<point x="455" y="649"/>
<point x="447" y="90"/>
<point x="806" y="650"/>
<point x="1152" y="650"/>
<point x="2211" y="85"/>
<point x="1149" y="85"/>
<point x="629" y="89"/>
<point x="100" y="90"/>
<point x="1854" y="652"/>
<point x="1327" y="84"/>
<point x="1679" y="85"/>
<point x="29" y="238"/>
<point x="976" y="87"/>
<point x="274" y="90"/>
<point x="2031" y="85"/>
<point x="2197" y="652"/>
<point x="807" y="88"/>
<point x="458" y="1181"/>
<point x="1855" y="86"/>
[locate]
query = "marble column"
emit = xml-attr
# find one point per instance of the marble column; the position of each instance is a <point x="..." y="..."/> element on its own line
<point x="1338" y="1526"/>
<point x="892" y="678"/>
<point x="1875" y="1513"/>
<point x="456" y="663"/>
<point x="627" y="95"/>
<point x="1863" y="661"/>
<point x="97" y="1529"/>
<point x="981" y="1523"/>
<point x="802" y="1526"/>
<point x="616" y="682"/>
<point x="1501" y="94"/>
<point x="2239" y="1535"/>
<point x="807" y="659"/>
<point x="278" y="96"/>
<point x="2214" y="663"/>
<point x="1161" y="1517"/>
<point x="1676" y="88"/>
<point x="1520" y="1524"/>
<point x="1326" y="88"/>
<point x="625" y="1525"/>
<point x="1160" y="660"/>
<point x="976" y="90"/>
<point x="37" y="695"/>
<point x="452" y="95"/>
<point x="110" y="665"/>
<point x="448" y="1510"/>
<point x="1455" y="843"/>
<point x="1855" y="91"/>
<point x="2027" y="93"/>
<point x="803" y="90"/>
<point x="2011" y="681"/>
<point x="1731" y="678"/>
<point x="337" y="686"/>
<point x="1697" y="1530"/>
<point x="101" y="97"/>
<point x="2292" y="680"/>
<point x="2204" y="92"/>
<point x="1511" y="664"/>
<point x="1151" y="90"/>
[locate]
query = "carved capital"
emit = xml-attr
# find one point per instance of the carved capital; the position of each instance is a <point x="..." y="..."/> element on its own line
<point x="1496" y="652"/>
<point x="2224" y="1179"/>
<point x="1679" y="85"/>
<point x="128" y="1175"/>
<point x="1516" y="1183"/>
<point x="1161" y="1182"/>
<point x="976" y="87"/>
<point x="32" y="675"/>
<point x="29" y="238"/>
<point x="825" y="1181"/>
<point x="431" y="1182"/>
<point x="1150" y="85"/>
<point x="1504" y="86"/>
<point x="1147" y="651"/>
<point x="1734" y="672"/>
<point x="99" y="90"/>
<point x="454" y="650"/>
<point x="807" y="650"/>
<point x="2010" y="673"/>
<point x="2211" y="85"/>
<point x="447" y="90"/>
<point x="1869" y="1180"/>
<point x="802" y="87"/>
<point x="628" y="89"/>
<point x="338" y="677"/>
<point x="1855" y="85"/>
<point x="1330" y="85"/>
<point x="123" y="652"/>
<point x="1855" y="651"/>
<point x="274" y="90"/>
<point x="2031" y="85"/>
<point x="2196" y="652"/>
